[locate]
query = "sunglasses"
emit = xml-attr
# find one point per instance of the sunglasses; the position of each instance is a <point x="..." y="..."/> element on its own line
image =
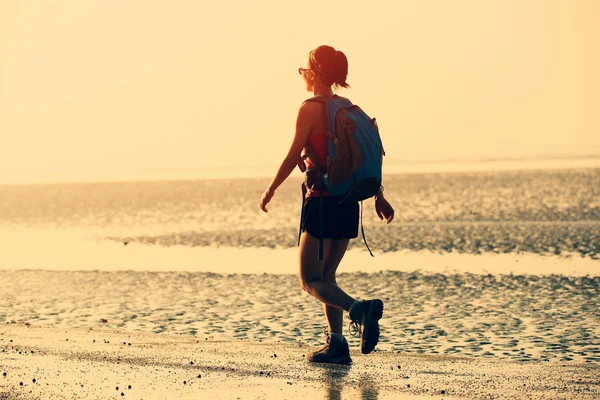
<point x="302" y="70"/>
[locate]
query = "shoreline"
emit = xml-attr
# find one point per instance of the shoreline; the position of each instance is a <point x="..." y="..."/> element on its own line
<point x="64" y="251"/>
<point x="91" y="363"/>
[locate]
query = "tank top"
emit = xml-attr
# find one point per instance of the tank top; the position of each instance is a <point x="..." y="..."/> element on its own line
<point x="318" y="143"/>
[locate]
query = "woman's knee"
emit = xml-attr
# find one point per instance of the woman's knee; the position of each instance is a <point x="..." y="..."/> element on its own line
<point x="307" y="283"/>
<point x="304" y="284"/>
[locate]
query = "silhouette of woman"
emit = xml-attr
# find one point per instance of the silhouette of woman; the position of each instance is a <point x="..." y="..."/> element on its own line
<point x="325" y="70"/>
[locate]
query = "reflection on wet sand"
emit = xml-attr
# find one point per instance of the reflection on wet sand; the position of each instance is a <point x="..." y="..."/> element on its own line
<point x="334" y="377"/>
<point x="368" y="388"/>
<point x="338" y="386"/>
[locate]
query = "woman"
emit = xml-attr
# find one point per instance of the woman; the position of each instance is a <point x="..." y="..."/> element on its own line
<point x="326" y="69"/>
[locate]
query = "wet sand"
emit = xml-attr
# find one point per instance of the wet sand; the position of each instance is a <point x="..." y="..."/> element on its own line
<point x="549" y="212"/>
<point x="490" y="279"/>
<point x="540" y="212"/>
<point x="521" y="318"/>
<point x="103" y="363"/>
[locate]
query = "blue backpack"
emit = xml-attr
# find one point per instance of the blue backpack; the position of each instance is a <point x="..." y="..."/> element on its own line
<point x="354" y="155"/>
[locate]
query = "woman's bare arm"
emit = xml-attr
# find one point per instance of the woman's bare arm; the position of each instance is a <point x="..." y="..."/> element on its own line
<point x="304" y="124"/>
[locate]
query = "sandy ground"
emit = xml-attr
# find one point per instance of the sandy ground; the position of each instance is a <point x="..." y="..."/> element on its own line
<point x="511" y="317"/>
<point x="55" y="363"/>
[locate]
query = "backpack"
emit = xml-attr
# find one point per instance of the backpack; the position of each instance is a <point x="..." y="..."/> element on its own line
<point x="354" y="158"/>
<point x="354" y="151"/>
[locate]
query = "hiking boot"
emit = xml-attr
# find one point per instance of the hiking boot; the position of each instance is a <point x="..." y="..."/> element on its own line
<point x="336" y="351"/>
<point x="365" y="317"/>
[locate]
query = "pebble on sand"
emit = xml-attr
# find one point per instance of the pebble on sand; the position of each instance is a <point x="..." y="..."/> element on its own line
<point x="129" y="387"/>
<point x="4" y="374"/>
<point x="34" y="381"/>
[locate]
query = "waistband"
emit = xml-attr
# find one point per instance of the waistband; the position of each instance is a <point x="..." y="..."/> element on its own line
<point x="315" y="193"/>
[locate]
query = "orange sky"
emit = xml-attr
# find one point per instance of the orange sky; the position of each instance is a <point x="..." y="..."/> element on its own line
<point x="103" y="90"/>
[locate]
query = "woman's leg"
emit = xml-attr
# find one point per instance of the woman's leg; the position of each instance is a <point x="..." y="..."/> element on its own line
<point x="312" y="274"/>
<point x="333" y="257"/>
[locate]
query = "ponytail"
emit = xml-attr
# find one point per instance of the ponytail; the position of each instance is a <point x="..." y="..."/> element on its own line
<point x="331" y="64"/>
<point x="341" y="68"/>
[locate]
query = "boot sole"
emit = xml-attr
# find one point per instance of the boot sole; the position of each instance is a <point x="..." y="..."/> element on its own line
<point x="370" y="335"/>
<point x="340" y="360"/>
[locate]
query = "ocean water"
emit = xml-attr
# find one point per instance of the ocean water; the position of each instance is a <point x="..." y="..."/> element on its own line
<point x="485" y="264"/>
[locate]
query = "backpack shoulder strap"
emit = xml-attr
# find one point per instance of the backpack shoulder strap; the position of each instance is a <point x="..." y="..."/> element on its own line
<point x="332" y="106"/>
<point x="319" y="99"/>
<point x="323" y="100"/>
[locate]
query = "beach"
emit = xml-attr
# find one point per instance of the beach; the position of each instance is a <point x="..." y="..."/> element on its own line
<point x="506" y="317"/>
<point x="490" y="280"/>
<point x="103" y="363"/>
<point x="152" y="200"/>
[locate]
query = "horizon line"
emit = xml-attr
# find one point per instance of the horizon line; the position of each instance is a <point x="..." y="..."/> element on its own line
<point x="399" y="168"/>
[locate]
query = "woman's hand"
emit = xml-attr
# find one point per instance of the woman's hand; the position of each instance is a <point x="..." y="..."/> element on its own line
<point x="265" y="199"/>
<point x="384" y="209"/>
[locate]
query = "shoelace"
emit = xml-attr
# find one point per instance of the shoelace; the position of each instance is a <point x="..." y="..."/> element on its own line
<point x="353" y="330"/>
<point x="324" y="348"/>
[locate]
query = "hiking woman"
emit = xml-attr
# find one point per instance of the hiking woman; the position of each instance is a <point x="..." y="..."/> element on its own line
<point x="326" y="69"/>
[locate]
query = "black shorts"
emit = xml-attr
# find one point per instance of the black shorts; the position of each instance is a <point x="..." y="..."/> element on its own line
<point x="340" y="220"/>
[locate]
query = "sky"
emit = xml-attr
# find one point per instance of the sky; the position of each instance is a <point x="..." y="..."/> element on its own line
<point x="119" y="90"/>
